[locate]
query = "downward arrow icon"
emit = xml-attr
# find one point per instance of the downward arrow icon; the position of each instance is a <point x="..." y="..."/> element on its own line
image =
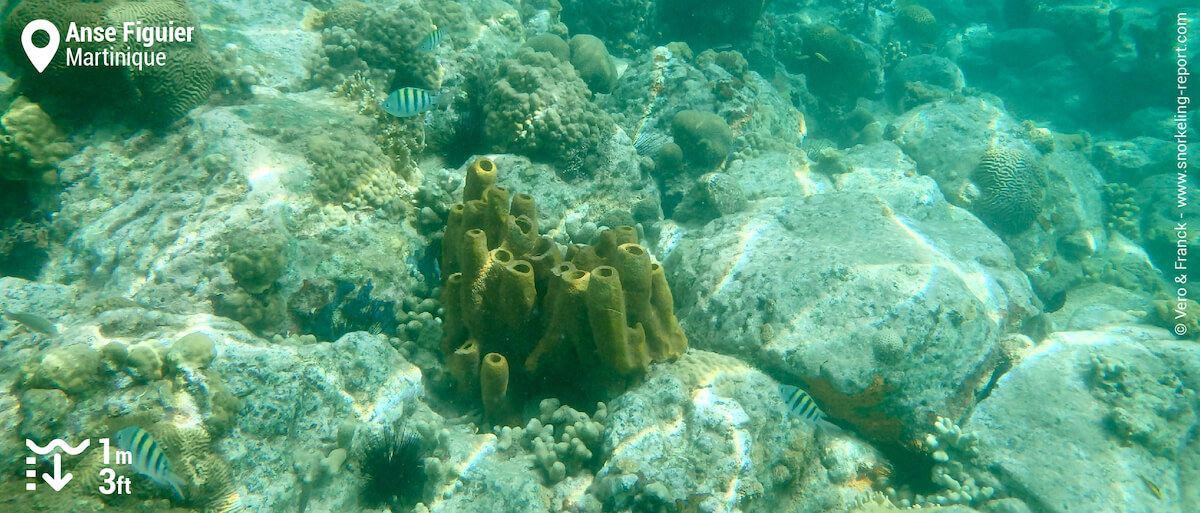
<point x="57" y="481"/>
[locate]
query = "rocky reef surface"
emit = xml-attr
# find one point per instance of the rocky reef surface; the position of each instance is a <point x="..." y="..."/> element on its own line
<point x="291" y="289"/>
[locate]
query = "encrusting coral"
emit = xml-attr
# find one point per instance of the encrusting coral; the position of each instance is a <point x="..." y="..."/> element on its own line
<point x="541" y="108"/>
<point x="518" y="309"/>
<point x="31" y="144"/>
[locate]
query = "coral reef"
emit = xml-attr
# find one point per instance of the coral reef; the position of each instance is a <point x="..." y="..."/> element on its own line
<point x="619" y="22"/>
<point x="950" y="448"/>
<point x="593" y="63"/>
<point x="703" y="137"/>
<point x="606" y="309"/>
<point x="31" y="144"/>
<point x="711" y="196"/>
<point x="351" y="169"/>
<point x="1122" y="212"/>
<point x="153" y="94"/>
<point x="357" y="38"/>
<point x="257" y="261"/>
<point x="720" y="21"/>
<point x="76" y="370"/>
<point x="540" y="108"/>
<point x="917" y="23"/>
<point x="839" y="68"/>
<point x="1011" y="185"/>
<point x="579" y="438"/>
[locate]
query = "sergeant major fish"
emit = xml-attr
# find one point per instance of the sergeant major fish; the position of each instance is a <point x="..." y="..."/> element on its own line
<point x="431" y="41"/>
<point x="148" y="458"/>
<point x="410" y="101"/>
<point x="800" y="403"/>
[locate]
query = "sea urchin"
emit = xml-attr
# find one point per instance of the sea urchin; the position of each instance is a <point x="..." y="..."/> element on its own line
<point x="393" y="466"/>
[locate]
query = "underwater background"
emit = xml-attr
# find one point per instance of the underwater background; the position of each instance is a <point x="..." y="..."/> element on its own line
<point x="599" y="256"/>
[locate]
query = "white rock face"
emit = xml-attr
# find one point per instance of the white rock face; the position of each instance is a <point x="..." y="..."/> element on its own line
<point x="857" y="288"/>
<point x="1086" y="420"/>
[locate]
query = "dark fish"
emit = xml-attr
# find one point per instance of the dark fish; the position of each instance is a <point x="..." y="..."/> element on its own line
<point x="800" y="403"/>
<point x="410" y="101"/>
<point x="148" y="458"/>
<point x="33" y="322"/>
<point x="1056" y="302"/>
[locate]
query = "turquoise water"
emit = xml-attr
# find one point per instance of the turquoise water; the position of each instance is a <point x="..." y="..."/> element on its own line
<point x="598" y="256"/>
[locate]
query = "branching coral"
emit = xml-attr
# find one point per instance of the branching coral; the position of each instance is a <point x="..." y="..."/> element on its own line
<point x="605" y="310"/>
<point x="951" y="447"/>
<point x="1122" y="212"/>
<point x="561" y="451"/>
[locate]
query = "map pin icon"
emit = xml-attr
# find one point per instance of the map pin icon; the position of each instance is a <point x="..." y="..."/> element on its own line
<point x="40" y="57"/>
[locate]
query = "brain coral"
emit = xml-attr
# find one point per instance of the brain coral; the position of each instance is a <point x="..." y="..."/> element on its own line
<point x="541" y="108"/>
<point x="1011" y="186"/>
<point x="153" y="93"/>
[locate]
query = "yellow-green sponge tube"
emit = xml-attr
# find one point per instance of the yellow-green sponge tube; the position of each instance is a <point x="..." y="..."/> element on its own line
<point x="463" y="365"/>
<point x="453" y="330"/>
<point x="606" y="316"/>
<point x="473" y="254"/>
<point x="625" y="234"/>
<point x="672" y="341"/>
<point x="452" y="237"/>
<point x="474" y="214"/>
<point x="518" y="295"/>
<point x="495" y="218"/>
<point x="523" y="205"/>
<point x="633" y="263"/>
<point x="545" y="257"/>
<point x="520" y="235"/>
<point x="480" y="175"/>
<point x="493" y="386"/>
<point x="566" y="311"/>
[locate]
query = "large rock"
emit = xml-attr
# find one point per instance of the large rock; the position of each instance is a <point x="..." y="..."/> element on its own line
<point x="854" y="293"/>
<point x="1069" y="239"/>
<point x="1092" y="419"/>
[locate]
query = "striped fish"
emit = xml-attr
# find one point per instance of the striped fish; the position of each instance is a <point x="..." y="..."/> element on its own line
<point x="410" y="101"/>
<point x="800" y="403"/>
<point x="431" y="41"/>
<point x="148" y="458"/>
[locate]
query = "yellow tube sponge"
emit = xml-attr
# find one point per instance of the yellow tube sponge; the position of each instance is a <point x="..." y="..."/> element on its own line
<point x="566" y="311"/>
<point x="452" y="236"/>
<point x="621" y="348"/>
<point x="523" y="205"/>
<point x="493" y="386"/>
<point x="670" y="341"/>
<point x="463" y="365"/>
<point x="480" y="175"/>
<point x="495" y="216"/>
<point x="518" y="295"/>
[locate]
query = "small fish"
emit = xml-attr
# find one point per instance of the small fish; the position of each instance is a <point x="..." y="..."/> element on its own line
<point x="148" y="458"/>
<point x="1056" y="302"/>
<point x="822" y="57"/>
<point x="431" y="41"/>
<point x="803" y="126"/>
<point x="33" y="322"/>
<point x="1153" y="487"/>
<point x="410" y="101"/>
<point x="800" y="403"/>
